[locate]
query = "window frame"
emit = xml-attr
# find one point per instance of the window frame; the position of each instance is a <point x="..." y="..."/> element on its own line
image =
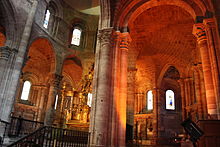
<point x="80" y="39"/>
<point x="150" y="92"/>
<point x="45" y="16"/>
<point x="29" y="91"/>
<point x="173" y="108"/>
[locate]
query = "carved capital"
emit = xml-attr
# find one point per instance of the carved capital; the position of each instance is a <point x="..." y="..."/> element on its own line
<point x="56" y="79"/>
<point x="209" y="23"/>
<point x="105" y="35"/>
<point x="199" y="32"/>
<point x="5" y="52"/>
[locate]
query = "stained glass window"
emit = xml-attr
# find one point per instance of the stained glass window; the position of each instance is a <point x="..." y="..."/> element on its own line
<point x="76" y="36"/>
<point x="170" y="103"/>
<point x="149" y="100"/>
<point x="46" y="19"/>
<point x="26" y="90"/>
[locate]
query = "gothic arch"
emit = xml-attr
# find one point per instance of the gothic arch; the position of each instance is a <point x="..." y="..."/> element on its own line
<point x="133" y="9"/>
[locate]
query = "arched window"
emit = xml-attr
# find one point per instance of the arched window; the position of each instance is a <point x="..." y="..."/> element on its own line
<point x="26" y="90"/>
<point x="89" y="101"/>
<point x="76" y="36"/>
<point x="56" y="101"/>
<point x="150" y="100"/>
<point x="46" y="19"/>
<point x="170" y="101"/>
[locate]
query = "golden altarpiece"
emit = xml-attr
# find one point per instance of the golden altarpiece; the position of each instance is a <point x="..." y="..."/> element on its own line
<point x="74" y="104"/>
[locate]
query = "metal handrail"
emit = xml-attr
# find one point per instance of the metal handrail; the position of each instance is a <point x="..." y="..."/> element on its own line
<point x="20" y="126"/>
<point x="51" y="136"/>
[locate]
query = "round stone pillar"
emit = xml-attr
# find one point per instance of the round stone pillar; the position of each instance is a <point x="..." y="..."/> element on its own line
<point x="183" y="98"/>
<point x="125" y="40"/>
<point x="53" y="91"/>
<point x="101" y="113"/>
<point x="199" y="32"/>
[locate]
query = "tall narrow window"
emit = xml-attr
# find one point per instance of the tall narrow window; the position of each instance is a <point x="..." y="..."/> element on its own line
<point x="76" y="36"/>
<point x="46" y="19"/>
<point x="56" y="101"/>
<point x="149" y="100"/>
<point x="89" y="101"/>
<point x="26" y="90"/>
<point x="170" y="103"/>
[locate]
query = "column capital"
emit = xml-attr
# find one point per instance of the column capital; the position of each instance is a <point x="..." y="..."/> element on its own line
<point x="105" y="35"/>
<point x="199" y="32"/>
<point x="6" y="51"/>
<point x="56" y="79"/>
<point x="209" y="23"/>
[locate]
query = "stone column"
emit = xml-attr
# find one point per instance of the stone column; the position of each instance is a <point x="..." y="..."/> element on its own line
<point x="198" y="96"/>
<point x="186" y="92"/>
<point x="12" y="71"/>
<point x="155" y="115"/>
<point x="158" y="110"/>
<point x="125" y="40"/>
<point x="183" y="100"/>
<point x="214" y="47"/>
<point x="192" y="91"/>
<point x="101" y="115"/>
<point x="131" y="98"/>
<point x="41" y="103"/>
<point x="199" y="32"/>
<point x="53" y="91"/>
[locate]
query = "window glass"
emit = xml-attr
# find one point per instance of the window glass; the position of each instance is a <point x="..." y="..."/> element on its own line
<point x="149" y="100"/>
<point x="76" y="36"/>
<point x="89" y="101"/>
<point x="26" y="90"/>
<point x="46" y="19"/>
<point x="56" y="101"/>
<point x="170" y="103"/>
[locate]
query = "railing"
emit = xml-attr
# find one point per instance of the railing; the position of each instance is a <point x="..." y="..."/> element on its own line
<point x="21" y="127"/>
<point x="53" y="137"/>
<point x="6" y="125"/>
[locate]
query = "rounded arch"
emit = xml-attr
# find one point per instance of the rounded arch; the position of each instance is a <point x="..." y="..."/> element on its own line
<point x="41" y="57"/>
<point x="135" y="8"/>
<point x="2" y="38"/>
<point x="9" y="22"/>
<point x="162" y="73"/>
<point x="33" y="78"/>
<point x="58" y="7"/>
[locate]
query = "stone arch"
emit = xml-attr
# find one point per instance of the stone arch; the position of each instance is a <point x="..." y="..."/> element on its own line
<point x="41" y="58"/>
<point x="135" y="8"/>
<point x="72" y="69"/>
<point x="162" y="73"/>
<point x="9" y="22"/>
<point x="2" y="36"/>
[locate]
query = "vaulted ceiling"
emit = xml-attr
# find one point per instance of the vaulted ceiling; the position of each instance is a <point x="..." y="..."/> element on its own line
<point x="162" y="35"/>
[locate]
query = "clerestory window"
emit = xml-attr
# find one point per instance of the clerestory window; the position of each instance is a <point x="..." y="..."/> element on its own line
<point x="46" y="19"/>
<point x="76" y="36"/>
